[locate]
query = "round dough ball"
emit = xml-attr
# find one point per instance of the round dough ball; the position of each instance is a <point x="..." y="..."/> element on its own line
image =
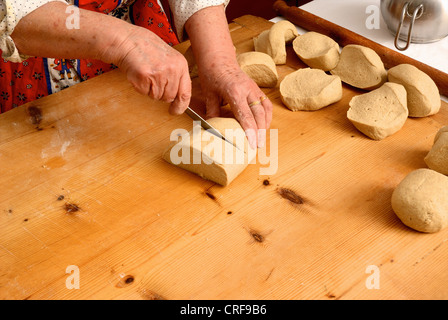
<point x="437" y="158"/>
<point x="360" y="67"/>
<point x="274" y="41"/>
<point x="381" y="112"/>
<point x="260" y="67"/>
<point x="423" y="94"/>
<point x="317" y="50"/>
<point x="421" y="200"/>
<point x="310" y="89"/>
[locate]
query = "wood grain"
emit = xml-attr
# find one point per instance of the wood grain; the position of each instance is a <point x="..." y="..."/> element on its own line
<point x="86" y="186"/>
<point x="344" y="37"/>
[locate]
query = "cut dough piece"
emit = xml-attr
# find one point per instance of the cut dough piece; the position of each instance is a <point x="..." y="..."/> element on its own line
<point x="310" y="89"/>
<point x="437" y="158"/>
<point x="423" y="94"/>
<point x="273" y="41"/>
<point x="210" y="157"/>
<point x="317" y="50"/>
<point x="381" y="112"/>
<point x="440" y="132"/>
<point x="360" y="67"/>
<point x="261" y="42"/>
<point x="421" y="200"/>
<point x="260" y="67"/>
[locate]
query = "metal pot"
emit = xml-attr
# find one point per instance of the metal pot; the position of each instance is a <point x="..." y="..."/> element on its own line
<point x="425" y="20"/>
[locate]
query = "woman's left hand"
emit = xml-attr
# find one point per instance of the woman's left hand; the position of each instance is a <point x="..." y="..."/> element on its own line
<point x="222" y="79"/>
<point x="227" y="83"/>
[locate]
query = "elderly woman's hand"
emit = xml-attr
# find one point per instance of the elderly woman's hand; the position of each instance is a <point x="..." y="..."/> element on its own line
<point x="155" y="69"/>
<point x="225" y="82"/>
<point x="152" y="66"/>
<point x="222" y="80"/>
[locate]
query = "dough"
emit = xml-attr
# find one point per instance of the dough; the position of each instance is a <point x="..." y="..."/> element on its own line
<point x="273" y="41"/>
<point x="381" y="112"/>
<point x="423" y="94"/>
<point x="317" y="50"/>
<point x="260" y="67"/>
<point x="310" y="89"/>
<point x="222" y="166"/>
<point x="421" y="200"/>
<point x="437" y="158"/>
<point x="360" y="67"/>
<point x="440" y="132"/>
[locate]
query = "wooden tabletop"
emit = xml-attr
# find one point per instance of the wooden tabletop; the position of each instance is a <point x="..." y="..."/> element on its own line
<point x="85" y="195"/>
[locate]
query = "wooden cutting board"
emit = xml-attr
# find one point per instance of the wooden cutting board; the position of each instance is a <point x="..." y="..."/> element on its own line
<point x="84" y="188"/>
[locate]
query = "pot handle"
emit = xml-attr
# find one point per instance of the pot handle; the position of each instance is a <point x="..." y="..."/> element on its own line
<point x="411" y="26"/>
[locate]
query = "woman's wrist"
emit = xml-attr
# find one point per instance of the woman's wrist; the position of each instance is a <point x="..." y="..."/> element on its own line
<point x="210" y="38"/>
<point x="116" y="45"/>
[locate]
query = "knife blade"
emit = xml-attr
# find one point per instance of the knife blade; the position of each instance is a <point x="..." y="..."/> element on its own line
<point x="207" y="126"/>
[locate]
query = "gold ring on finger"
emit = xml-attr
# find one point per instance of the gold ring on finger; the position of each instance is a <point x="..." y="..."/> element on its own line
<point x="254" y="103"/>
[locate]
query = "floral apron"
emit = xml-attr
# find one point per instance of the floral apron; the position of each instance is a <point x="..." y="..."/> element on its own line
<point x="36" y="77"/>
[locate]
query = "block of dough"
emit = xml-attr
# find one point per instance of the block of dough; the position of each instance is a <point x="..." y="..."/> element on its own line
<point x="421" y="200"/>
<point x="310" y="89"/>
<point x="317" y="50"/>
<point x="423" y="94"/>
<point x="274" y="41"/>
<point x="381" y="112"/>
<point x="360" y="67"/>
<point x="440" y="132"/>
<point x="259" y="67"/>
<point x="210" y="157"/>
<point x="437" y="158"/>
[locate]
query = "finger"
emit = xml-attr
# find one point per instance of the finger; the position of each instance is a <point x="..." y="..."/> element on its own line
<point x="267" y="105"/>
<point x="171" y="89"/>
<point x="141" y="84"/>
<point x="245" y="117"/>
<point x="158" y="88"/>
<point x="182" y="100"/>
<point x="260" y="119"/>
<point x="259" y="115"/>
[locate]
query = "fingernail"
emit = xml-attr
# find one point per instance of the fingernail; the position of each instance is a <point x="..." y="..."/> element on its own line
<point x="252" y="137"/>
<point x="261" y="138"/>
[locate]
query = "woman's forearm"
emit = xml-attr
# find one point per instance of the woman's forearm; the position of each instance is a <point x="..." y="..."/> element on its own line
<point x="209" y="34"/>
<point x="151" y="65"/>
<point x="44" y="33"/>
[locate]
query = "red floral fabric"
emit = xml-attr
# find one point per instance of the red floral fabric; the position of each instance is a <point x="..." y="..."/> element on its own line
<point x="37" y="77"/>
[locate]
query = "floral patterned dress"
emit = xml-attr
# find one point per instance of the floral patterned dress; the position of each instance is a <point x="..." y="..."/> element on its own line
<point x="37" y="77"/>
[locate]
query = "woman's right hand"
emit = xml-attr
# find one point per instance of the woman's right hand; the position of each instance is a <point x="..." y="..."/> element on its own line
<point x="155" y="69"/>
<point x="151" y="65"/>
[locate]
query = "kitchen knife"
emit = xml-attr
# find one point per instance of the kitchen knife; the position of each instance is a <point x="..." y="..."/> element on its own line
<point x="207" y="126"/>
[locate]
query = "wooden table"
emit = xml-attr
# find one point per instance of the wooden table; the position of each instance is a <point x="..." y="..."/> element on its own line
<point x="84" y="185"/>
